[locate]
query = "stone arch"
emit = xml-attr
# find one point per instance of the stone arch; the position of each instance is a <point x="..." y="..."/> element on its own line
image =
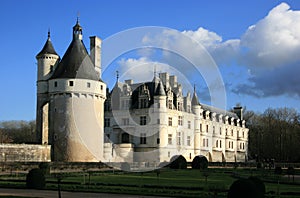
<point x="208" y="156"/>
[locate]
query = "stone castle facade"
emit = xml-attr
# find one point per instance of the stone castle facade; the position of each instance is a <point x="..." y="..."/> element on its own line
<point x="154" y="121"/>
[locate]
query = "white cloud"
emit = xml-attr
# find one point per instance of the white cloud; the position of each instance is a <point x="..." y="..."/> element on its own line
<point x="275" y="40"/>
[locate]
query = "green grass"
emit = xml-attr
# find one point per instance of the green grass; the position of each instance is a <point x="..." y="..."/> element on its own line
<point x="177" y="183"/>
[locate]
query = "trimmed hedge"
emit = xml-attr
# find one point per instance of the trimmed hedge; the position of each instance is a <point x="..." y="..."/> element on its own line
<point x="178" y="162"/>
<point x="200" y="162"/>
<point x="35" y="179"/>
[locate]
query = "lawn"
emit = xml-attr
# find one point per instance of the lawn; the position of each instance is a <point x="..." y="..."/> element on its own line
<point x="177" y="183"/>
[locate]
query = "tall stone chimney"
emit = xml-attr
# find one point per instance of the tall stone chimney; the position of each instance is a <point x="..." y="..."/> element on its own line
<point x="238" y="111"/>
<point x="95" y="53"/>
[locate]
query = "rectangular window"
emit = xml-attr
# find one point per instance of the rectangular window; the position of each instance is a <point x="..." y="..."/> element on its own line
<point x="220" y="143"/>
<point x="170" y="139"/>
<point x="189" y="124"/>
<point x="71" y="83"/>
<point x="106" y="122"/>
<point x="170" y="104"/>
<point x="158" y="121"/>
<point x="88" y="85"/>
<point x="207" y="128"/>
<point x="55" y="84"/>
<point x="188" y="140"/>
<point x="158" y="141"/>
<point x="143" y="103"/>
<point x="204" y="142"/>
<point x="143" y="120"/>
<point x="200" y="127"/>
<point x="179" y="120"/>
<point x="178" y="138"/>
<point x="158" y="105"/>
<point x="125" y="121"/>
<point x="101" y="87"/>
<point x="170" y="121"/>
<point x="143" y="138"/>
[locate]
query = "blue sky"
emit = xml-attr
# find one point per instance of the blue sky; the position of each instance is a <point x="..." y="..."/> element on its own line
<point x="256" y="44"/>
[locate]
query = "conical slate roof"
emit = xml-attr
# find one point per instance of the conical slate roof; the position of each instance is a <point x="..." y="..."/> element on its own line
<point x="76" y="63"/>
<point x="47" y="49"/>
<point x="195" y="100"/>
<point x="160" y="90"/>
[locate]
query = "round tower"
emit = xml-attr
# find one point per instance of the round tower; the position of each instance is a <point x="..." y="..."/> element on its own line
<point x="47" y="60"/>
<point x="76" y="107"/>
<point x="196" y="109"/>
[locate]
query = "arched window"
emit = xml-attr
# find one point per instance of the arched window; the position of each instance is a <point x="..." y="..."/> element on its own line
<point x="125" y="138"/>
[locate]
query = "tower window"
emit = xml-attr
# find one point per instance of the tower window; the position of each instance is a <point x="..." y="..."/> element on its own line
<point x="88" y="85"/>
<point x="143" y="139"/>
<point x="158" y="141"/>
<point x="55" y="84"/>
<point x="143" y="120"/>
<point x="170" y="121"/>
<point x="71" y="83"/>
<point x="170" y="139"/>
<point x="101" y="87"/>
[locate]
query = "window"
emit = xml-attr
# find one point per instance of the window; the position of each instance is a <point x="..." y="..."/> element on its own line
<point x="207" y="128"/>
<point x="179" y="120"/>
<point x="143" y="103"/>
<point x="188" y="140"/>
<point x="106" y="122"/>
<point x="157" y="141"/>
<point x="179" y="105"/>
<point x="220" y="143"/>
<point x="204" y="142"/>
<point x="125" y="138"/>
<point x="71" y="83"/>
<point x="55" y="84"/>
<point x="200" y="127"/>
<point x="88" y="85"/>
<point x="101" y="87"/>
<point x="231" y="132"/>
<point x="169" y="153"/>
<point x="170" y="121"/>
<point x="226" y="130"/>
<point x="158" y="121"/>
<point x="189" y="124"/>
<point x="217" y="145"/>
<point x="170" y="139"/>
<point x="220" y="131"/>
<point x="178" y="138"/>
<point x="213" y="129"/>
<point x="143" y="138"/>
<point x="143" y="120"/>
<point x="125" y="121"/>
<point x="170" y="105"/>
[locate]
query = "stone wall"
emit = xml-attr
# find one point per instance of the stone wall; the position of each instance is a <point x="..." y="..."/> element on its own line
<point x="24" y="153"/>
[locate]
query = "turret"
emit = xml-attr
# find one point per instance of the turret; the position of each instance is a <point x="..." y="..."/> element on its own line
<point x="47" y="60"/>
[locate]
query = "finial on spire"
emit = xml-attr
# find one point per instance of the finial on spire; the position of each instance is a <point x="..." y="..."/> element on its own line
<point x="48" y="33"/>
<point x="154" y="70"/>
<point x="194" y="88"/>
<point x="117" y="75"/>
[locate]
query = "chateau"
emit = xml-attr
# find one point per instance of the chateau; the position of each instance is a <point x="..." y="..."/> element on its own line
<point x="79" y="120"/>
<point x="153" y="122"/>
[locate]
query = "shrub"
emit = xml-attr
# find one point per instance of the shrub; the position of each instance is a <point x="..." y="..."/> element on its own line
<point x="290" y="171"/>
<point x="243" y="188"/>
<point x="178" y="162"/>
<point x="35" y="179"/>
<point x="200" y="162"/>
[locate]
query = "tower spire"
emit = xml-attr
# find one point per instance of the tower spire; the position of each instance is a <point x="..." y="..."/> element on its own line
<point x="48" y="33"/>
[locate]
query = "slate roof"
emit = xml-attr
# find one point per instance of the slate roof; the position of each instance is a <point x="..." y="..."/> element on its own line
<point x="47" y="49"/>
<point x="76" y="63"/>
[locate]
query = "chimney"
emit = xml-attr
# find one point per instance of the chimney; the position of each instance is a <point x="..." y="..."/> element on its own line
<point x="129" y="82"/>
<point x="95" y="53"/>
<point x="173" y="81"/>
<point x="165" y="79"/>
<point x="238" y="111"/>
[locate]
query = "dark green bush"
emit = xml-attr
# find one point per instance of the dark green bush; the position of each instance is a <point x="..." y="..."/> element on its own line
<point x="35" y="179"/>
<point x="178" y="162"/>
<point x="200" y="162"/>
<point x="244" y="188"/>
